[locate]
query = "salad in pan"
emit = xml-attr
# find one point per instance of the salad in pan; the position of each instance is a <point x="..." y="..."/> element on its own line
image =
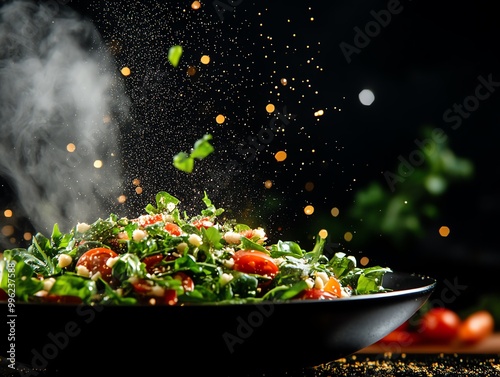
<point x="166" y="257"/>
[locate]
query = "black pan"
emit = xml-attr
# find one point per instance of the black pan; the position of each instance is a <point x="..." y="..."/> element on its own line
<point x="71" y="340"/>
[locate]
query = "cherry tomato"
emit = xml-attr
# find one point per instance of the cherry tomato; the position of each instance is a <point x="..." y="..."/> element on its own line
<point x="333" y="286"/>
<point x="173" y="229"/>
<point x="255" y="262"/>
<point x="146" y="220"/>
<point x="151" y="261"/>
<point x="316" y="294"/>
<point x="95" y="261"/>
<point x="143" y="288"/>
<point x="403" y="336"/>
<point x="3" y="295"/>
<point x="58" y="299"/>
<point x="440" y="325"/>
<point x="185" y="279"/>
<point x="170" y="297"/>
<point x="477" y="326"/>
<point x="203" y="223"/>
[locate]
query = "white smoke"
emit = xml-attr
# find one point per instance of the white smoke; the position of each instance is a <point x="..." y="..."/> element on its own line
<point x="58" y="84"/>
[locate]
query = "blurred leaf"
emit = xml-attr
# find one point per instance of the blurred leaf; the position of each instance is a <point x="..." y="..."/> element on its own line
<point x="184" y="162"/>
<point x="174" y="55"/>
<point x="202" y="148"/>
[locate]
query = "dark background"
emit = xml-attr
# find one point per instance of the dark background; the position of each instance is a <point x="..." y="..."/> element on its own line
<point x="427" y="58"/>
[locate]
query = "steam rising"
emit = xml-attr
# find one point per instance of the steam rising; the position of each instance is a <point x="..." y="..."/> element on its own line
<point x="58" y="85"/>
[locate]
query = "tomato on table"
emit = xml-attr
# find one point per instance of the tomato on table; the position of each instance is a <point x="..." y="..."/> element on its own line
<point x="255" y="262"/>
<point x="476" y="327"/>
<point x="440" y="325"/>
<point x="94" y="260"/>
<point x="402" y="336"/>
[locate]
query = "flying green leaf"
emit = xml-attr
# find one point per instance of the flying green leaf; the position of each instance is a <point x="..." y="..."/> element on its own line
<point x="184" y="162"/>
<point x="202" y="148"/>
<point x="174" y="55"/>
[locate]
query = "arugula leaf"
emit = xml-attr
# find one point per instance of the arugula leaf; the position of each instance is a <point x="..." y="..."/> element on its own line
<point x="317" y="251"/>
<point x="26" y="285"/>
<point x="184" y="162"/>
<point x="244" y="285"/>
<point x="248" y="244"/>
<point x="74" y="285"/>
<point x="202" y="148"/>
<point x="286" y="248"/>
<point x="128" y="265"/>
<point x="342" y="264"/>
<point x="370" y="280"/>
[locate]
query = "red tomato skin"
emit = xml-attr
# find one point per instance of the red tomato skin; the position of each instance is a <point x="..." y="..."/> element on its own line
<point x="439" y="325"/>
<point x="316" y="294"/>
<point x="173" y="229"/>
<point x="255" y="262"/>
<point x="95" y="261"/>
<point x="146" y="220"/>
<point x="476" y="327"/>
<point x="57" y="299"/>
<point x="203" y="223"/>
<point x="185" y="279"/>
<point x="402" y="336"/>
<point x="151" y="261"/>
<point x="170" y="297"/>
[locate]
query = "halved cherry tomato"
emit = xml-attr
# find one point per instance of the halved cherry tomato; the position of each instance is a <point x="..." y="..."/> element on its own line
<point x="95" y="261"/>
<point x="173" y="229"/>
<point x="333" y="286"/>
<point x="170" y="297"/>
<point x="146" y="220"/>
<point x="151" y="261"/>
<point x="476" y="327"/>
<point x="439" y="325"/>
<point x="255" y="262"/>
<point x="203" y="223"/>
<point x="316" y="294"/>
<point x="142" y="287"/>
<point x="185" y="279"/>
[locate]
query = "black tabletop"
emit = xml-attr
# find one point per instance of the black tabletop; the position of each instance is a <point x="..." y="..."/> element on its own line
<point x="373" y="365"/>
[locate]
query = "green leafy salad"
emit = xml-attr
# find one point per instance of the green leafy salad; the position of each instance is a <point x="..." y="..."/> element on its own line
<point x="166" y="257"/>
